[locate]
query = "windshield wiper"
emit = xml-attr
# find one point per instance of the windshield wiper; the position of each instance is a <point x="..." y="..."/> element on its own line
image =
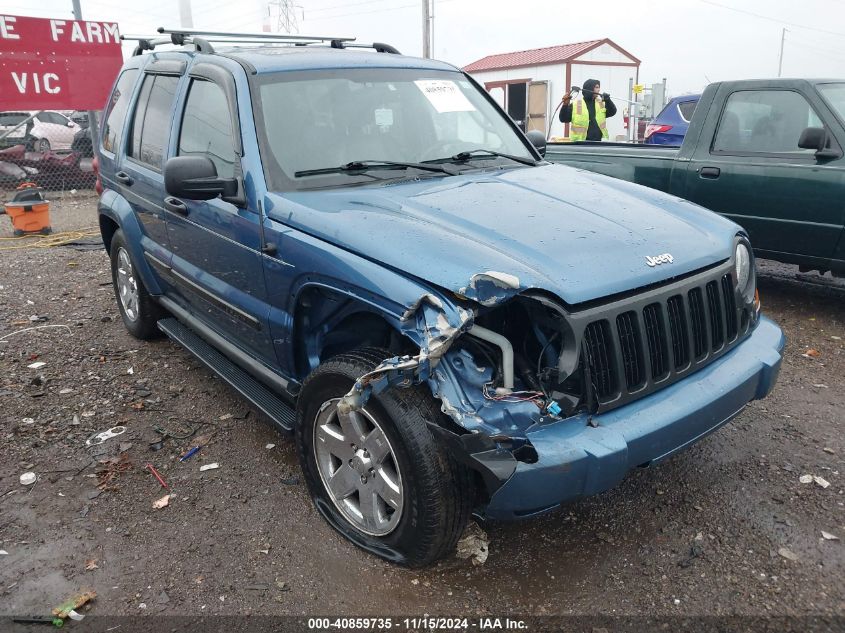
<point x="463" y="157"/>
<point x="367" y="165"/>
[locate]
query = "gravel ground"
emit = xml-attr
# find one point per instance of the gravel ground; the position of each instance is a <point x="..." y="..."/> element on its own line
<point x="723" y="528"/>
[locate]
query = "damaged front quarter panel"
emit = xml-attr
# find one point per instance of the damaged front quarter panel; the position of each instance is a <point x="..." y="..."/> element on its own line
<point x="429" y="322"/>
<point x="495" y="430"/>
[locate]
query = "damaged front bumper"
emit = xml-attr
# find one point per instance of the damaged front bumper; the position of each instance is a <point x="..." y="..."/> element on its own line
<point x="579" y="456"/>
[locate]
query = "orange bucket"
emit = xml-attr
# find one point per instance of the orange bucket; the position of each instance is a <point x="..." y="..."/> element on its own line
<point x="29" y="210"/>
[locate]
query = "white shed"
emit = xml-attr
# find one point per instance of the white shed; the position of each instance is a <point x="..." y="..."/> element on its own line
<point x="530" y="84"/>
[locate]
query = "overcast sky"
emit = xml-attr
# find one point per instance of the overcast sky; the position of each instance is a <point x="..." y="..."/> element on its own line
<point x="690" y="42"/>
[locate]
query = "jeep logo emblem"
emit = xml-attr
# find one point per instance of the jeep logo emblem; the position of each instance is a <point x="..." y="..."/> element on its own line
<point x="665" y="258"/>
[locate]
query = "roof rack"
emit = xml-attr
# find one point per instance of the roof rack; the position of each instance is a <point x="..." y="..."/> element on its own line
<point x="181" y="37"/>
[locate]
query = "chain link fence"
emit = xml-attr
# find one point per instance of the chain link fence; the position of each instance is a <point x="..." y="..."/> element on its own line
<point x="46" y="156"/>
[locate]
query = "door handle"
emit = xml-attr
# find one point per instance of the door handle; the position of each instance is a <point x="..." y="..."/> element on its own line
<point x="123" y="178"/>
<point x="709" y="172"/>
<point x="269" y="249"/>
<point x="175" y="205"/>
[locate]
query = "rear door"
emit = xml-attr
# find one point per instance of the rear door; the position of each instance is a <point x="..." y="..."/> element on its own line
<point x="754" y="173"/>
<point x="216" y="244"/>
<point x="139" y="176"/>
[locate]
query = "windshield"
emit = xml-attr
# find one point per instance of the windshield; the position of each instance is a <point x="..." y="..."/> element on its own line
<point x="323" y="119"/>
<point x="834" y="94"/>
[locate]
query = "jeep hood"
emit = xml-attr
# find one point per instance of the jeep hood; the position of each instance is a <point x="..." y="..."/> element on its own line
<point x="576" y="234"/>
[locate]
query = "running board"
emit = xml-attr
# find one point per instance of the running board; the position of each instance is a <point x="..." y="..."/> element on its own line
<point x="279" y="411"/>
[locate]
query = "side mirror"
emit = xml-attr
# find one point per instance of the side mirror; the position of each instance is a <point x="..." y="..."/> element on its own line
<point x="816" y="138"/>
<point x="538" y="140"/>
<point x="195" y="178"/>
<point x="70" y="123"/>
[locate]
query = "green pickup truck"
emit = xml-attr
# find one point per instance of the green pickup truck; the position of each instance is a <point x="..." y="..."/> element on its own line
<point x="767" y="154"/>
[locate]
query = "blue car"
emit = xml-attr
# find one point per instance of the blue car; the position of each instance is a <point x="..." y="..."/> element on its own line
<point x="372" y="253"/>
<point x="670" y="126"/>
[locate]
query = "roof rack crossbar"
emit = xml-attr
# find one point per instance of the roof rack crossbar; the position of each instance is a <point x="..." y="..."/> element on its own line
<point x="379" y="47"/>
<point x="257" y="36"/>
<point x="147" y="43"/>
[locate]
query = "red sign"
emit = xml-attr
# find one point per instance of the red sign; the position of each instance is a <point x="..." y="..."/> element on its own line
<point x="48" y="64"/>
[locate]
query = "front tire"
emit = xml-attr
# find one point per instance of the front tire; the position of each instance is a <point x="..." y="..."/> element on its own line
<point x="42" y="145"/>
<point x="378" y="475"/>
<point x="139" y="311"/>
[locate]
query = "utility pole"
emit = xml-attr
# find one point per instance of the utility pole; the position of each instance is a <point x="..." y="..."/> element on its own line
<point x="426" y="29"/>
<point x="92" y="116"/>
<point x="186" y="19"/>
<point x="780" y="58"/>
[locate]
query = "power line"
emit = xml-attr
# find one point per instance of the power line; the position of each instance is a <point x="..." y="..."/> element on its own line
<point x="771" y="19"/>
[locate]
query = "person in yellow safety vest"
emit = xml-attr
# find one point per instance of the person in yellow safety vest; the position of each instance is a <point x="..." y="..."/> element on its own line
<point x="587" y="115"/>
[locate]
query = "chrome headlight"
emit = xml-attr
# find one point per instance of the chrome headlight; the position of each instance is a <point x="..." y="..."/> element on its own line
<point x="742" y="261"/>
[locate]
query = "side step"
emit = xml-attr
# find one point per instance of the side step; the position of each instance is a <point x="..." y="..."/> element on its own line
<point x="279" y="411"/>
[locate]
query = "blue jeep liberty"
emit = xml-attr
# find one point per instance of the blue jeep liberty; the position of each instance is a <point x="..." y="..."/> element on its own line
<point x="368" y="249"/>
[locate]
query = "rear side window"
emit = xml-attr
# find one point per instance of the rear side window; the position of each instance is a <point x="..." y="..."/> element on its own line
<point x="151" y="123"/>
<point x="117" y="108"/>
<point x="207" y="127"/>
<point x="764" y="122"/>
<point x="686" y="108"/>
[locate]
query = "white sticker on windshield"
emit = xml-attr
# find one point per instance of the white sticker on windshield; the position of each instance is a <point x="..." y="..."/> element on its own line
<point x="445" y="96"/>
<point x="384" y="117"/>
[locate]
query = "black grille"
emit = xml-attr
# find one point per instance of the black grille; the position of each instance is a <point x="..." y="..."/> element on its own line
<point x="643" y="345"/>
<point x="599" y="356"/>
<point x="730" y="306"/>
<point x="714" y="307"/>
<point x="630" y="346"/>
<point x="698" y="322"/>
<point x="656" y="336"/>
<point x="678" y="329"/>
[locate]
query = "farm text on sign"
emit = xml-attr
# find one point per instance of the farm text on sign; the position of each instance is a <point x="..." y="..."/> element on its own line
<point x="54" y="64"/>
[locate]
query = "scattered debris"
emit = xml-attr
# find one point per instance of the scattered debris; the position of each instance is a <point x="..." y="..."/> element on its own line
<point x="28" y="478"/>
<point x="65" y="391"/>
<point x="821" y="481"/>
<point x="226" y="416"/>
<point x="788" y="554"/>
<point x="270" y="446"/>
<point x="91" y="565"/>
<point x="824" y="483"/>
<point x="190" y="453"/>
<point x="811" y="353"/>
<point x="28" y="421"/>
<point x="112" y="468"/>
<point x="158" y="504"/>
<point x="163" y="598"/>
<point x="290" y="481"/>
<point x="94" y="494"/>
<point x="99" y="438"/>
<point x="281" y="585"/>
<point x="156" y="474"/>
<point x="211" y="466"/>
<point x="415" y="581"/>
<point x="829" y="537"/>
<point x="475" y="544"/>
<point x="64" y="610"/>
<point x="3" y="552"/>
<point x="130" y="371"/>
<point x="820" y="386"/>
<point x="37" y="365"/>
<point x="827" y="449"/>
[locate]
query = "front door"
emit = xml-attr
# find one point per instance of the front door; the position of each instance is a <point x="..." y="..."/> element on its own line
<point x="754" y="173"/>
<point x="216" y="264"/>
